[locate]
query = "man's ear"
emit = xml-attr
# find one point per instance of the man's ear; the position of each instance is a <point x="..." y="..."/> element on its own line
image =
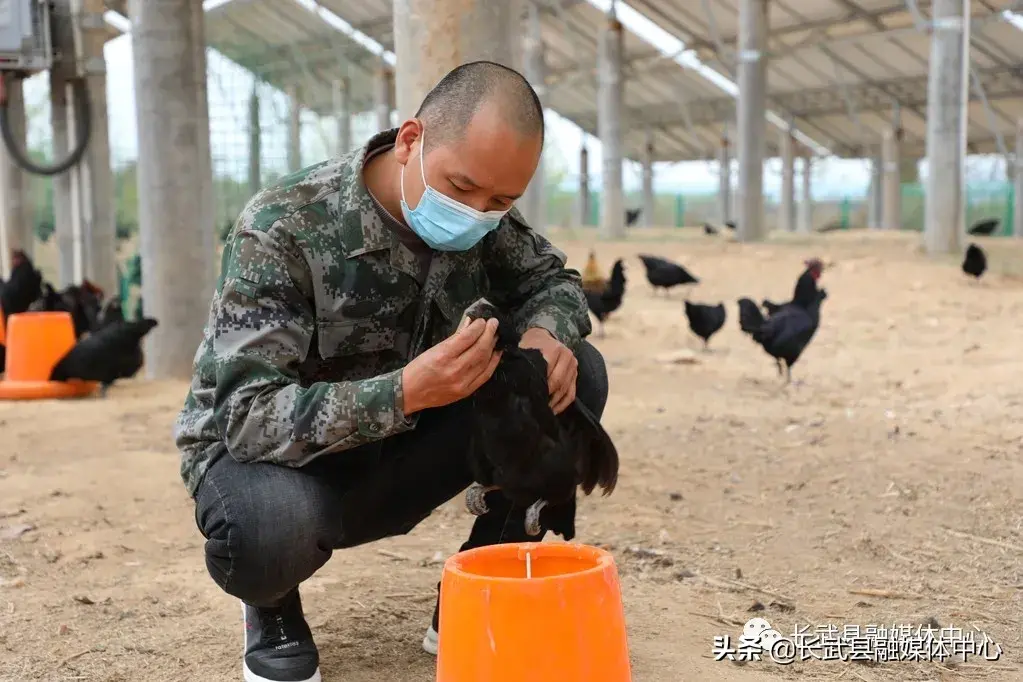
<point x="409" y="132"/>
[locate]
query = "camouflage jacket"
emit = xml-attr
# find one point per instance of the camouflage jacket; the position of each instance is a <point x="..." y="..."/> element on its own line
<point x="318" y="307"/>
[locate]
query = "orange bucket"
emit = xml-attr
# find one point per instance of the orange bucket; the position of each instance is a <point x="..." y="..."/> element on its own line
<point x="35" y="344"/>
<point x="542" y="612"/>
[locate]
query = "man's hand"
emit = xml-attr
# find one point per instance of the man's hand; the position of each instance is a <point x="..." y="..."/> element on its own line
<point x="562" y="367"/>
<point x="453" y="369"/>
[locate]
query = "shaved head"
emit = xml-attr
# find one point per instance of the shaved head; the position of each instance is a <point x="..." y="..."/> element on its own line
<point x="448" y="109"/>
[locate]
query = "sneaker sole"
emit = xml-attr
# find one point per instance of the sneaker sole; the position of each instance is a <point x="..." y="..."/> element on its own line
<point x="430" y="642"/>
<point x="250" y="676"/>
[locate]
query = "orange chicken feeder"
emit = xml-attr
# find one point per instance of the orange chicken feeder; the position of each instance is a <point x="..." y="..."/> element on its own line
<point x="35" y="343"/>
<point x="542" y="612"/>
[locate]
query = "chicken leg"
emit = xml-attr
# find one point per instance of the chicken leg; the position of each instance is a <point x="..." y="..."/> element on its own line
<point x="474" y="498"/>
<point x="533" y="517"/>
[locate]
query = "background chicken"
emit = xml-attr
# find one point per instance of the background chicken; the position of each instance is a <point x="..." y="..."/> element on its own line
<point x="705" y="320"/>
<point x="664" y="274"/>
<point x="109" y="354"/>
<point x="984" y="227"/>
<point x="604" y="302"/>
<point x="593" y="278"/>
<point x="785" y="334"/>
<point x="974" y="261"/>
<point x="22" y="288"/>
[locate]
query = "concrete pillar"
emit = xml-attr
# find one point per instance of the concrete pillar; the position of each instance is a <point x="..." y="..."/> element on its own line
<point x="649" y="202"/>
<point x="724" y="180"/>
<point x="584" y="185"/>
<point x="204" y="158"/>
<point x="534" y="201"/>
<point x="294" y="129"/>
<point x="175" y="244"/>
<point x="255" y="142"/>
<point x="343" y="114"/>
<point x="63" y="229"/>
<point x="99" y="236"/>
<point x="947" y="99"/>
<point x="891" y="185"/>
<point x="431" y="37"/>
<point x="609" y="127"/>
<point x="752" y="124"/>
<point x="875" y="205"/>
<point x="1018" y="209"/>
<point x="383" y="96"/>
<point x="787" y="207"/>
<point x="806" y="200"/>
<point x="15" y="232"/>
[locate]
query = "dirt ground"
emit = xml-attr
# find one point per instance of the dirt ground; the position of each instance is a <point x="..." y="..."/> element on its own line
<point x="892" y="468"/>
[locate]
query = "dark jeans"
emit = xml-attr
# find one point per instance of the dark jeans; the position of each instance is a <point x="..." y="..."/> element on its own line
<point x="270" y="527"/>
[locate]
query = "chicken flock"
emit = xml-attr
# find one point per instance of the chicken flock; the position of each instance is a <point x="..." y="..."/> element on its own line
<point x="107" y="346"/>
<point x="783" y="330"/>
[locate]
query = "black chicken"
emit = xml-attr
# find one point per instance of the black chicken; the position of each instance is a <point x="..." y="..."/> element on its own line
<point x="705" y="320"/>
<point x="974" y="262"/>
<point x="631" y="216"/>
<point x="520" y="447"/>
<point x="785" y="334"/>
<point x="109" y="354"/>
<point x="709" y="229"/>
<point x="605" y="302"/>
<point x="22" y="288"/>
<point x="985" y="227"/>
<point x="664" y="274"/>
<point x="730" y="224"/>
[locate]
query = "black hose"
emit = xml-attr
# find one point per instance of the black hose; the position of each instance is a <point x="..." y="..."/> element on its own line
<point x="83" y="119"/>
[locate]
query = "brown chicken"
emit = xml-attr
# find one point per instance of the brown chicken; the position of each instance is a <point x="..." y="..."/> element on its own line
<point x="593" y="280"/>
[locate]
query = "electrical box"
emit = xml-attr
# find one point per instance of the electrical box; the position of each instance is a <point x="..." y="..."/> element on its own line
<point x="25" y="40"/>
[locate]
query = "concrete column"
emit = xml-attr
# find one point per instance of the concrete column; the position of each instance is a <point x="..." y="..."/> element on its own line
<point x="534" y="201"/>
<point x="1017" y="229"/>
<point x="294" y="129"/>
<point x="63" y="229"/>
<point x="787" y="207"/>
<point x="431" y="37"/>
<point x="891" y="185"/>
<point x="584" y="186"/>
<point x="15" y="232"/>
<point x="343" y="114"/>
<point x="204" y="159"/>
<point x="725" y="180"/>
<point x="383" y="96"/>
<point x="875" y="205"/>
<point x="947" y="99"/>
<point x="806" y="200"/>
<point x="175" y="243"/>
<point x="609" y="127"/>
<point x="99" y="237"/>
<point x="255" y="142"/>
<point x="649" y="201"/>
<point x="752" y="109"/>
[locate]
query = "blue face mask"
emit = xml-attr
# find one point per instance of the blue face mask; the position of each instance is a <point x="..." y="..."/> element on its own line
<point x="442" y="222"/>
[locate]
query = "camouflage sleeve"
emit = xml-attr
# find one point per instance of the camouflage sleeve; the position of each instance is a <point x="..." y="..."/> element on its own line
<point x="263" y="329"/>
<point x="528" y="277"/>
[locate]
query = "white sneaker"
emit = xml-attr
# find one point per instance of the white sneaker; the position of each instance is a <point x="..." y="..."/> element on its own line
<point x="430" y="642"/>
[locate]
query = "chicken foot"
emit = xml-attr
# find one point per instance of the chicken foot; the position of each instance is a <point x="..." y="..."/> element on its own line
<point x="533" y="517"/>
<point x="474" y="498"/>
